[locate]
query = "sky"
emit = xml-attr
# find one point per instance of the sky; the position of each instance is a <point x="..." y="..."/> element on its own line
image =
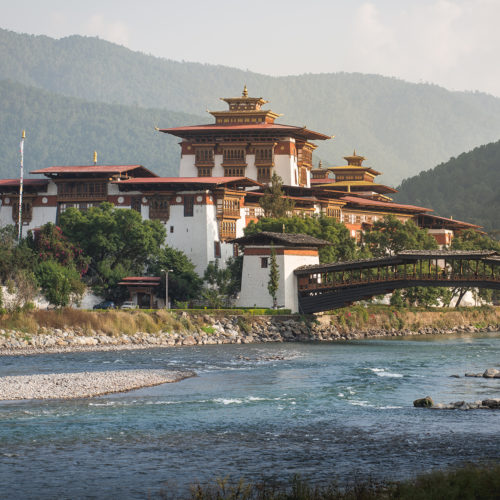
<point x="452" y="43"/>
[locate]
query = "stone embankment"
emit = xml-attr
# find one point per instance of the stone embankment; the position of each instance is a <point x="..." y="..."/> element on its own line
<point x="210" y="330"/>
<point x="83" y="384"/>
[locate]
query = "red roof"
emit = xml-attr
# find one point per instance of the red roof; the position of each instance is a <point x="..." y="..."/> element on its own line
<point x="375" y="203"/>
<point x="451" y="221"/>
<point x="142" y="278"/>
<point x="189" y="180"/>
<point x="87" y="169"/>
<point x="26" y="182"/>
<point x="215" y="127"/>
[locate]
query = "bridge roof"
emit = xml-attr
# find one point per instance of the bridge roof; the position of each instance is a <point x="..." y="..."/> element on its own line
<point x="446" y="254"/>
<point x="489" y="256"/>
<point x="349" y="264"/>
<point x="282" y="239"/>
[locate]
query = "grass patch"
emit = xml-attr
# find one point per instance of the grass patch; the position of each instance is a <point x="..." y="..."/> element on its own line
<point x="470" y="482"/>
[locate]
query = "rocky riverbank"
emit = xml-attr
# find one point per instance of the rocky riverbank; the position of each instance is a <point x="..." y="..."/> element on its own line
<point x="204" y="329"/>
<point x="83" y="384"/>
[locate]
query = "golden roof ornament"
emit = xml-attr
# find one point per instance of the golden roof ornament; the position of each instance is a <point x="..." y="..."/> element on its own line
<point x="245" y="91"/>
<point x="320" y="164"/>
<point x="95" y="157"/>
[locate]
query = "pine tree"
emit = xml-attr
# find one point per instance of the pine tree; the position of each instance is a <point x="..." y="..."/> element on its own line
<point x="274" y="278"/>
<point x="274" y="204"/>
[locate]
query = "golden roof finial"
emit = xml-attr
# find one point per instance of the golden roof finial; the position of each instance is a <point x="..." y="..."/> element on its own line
<point x="354" y="153"/>
<point x="95" y="157"/>
<point x="245" y="91"/>
<point x="320" y="164"/>
<point x="24" y="134"/>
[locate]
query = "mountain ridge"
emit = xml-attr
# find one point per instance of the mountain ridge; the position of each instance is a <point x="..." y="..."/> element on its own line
<point x="401" y="127"/>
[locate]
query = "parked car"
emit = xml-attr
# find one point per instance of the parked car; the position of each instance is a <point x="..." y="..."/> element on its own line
<point x="128" y="305"/>
<point x="106" y="304"/>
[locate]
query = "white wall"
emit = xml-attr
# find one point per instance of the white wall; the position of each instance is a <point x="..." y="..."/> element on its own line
<point x="187" y="168"/>
<point x="254" y="281"/>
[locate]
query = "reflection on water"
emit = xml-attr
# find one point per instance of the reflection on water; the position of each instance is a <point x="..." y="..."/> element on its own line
<point x="324" y="410"/>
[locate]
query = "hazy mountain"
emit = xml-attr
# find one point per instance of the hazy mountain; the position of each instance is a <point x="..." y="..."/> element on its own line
<point x="467" y="187"/>
<point x="402" y="128"/>
<point x="65" y="131"/>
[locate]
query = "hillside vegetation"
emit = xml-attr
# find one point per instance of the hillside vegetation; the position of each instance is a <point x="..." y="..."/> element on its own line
<point x="402" y="128"/>
<point x="65" y="131"/>
<point x="467" y="187"/>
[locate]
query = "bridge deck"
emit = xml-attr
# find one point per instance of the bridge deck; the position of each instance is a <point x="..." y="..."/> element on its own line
<point x="329" y="286"/>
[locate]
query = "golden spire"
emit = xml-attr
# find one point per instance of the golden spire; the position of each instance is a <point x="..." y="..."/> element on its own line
<point x="354" y="153"/>
<point x="95" y="157"/>
<point x="24" y="134"/>
<point x="320" y="164"/>
<point x="245" y="91"/>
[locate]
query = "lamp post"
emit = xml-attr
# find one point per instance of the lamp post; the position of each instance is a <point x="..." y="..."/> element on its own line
<point x="166" y="271"/>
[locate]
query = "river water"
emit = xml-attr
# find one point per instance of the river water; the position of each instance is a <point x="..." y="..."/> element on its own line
<point x="266" y="411"/>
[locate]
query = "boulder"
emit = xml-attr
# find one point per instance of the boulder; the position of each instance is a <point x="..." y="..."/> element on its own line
<point x="491" y="403"/>
<point x="426" y="402"/>
<point x="490" y="373"/>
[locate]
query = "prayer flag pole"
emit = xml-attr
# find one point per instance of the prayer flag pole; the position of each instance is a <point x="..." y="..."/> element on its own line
<point x="20" y="219"/>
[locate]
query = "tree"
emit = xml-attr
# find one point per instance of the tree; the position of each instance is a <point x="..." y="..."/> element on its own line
<point x="274" y="277"/>
<point x="223" y="283"/>
<point x="274" y="203"/>
<point x="60" y="284"/>
<point x="183" y="282"/>
<point x="389" y="236"/>
<point x="472" y="240"/>
<point x="118" y="242"/>
<point x="49" y="243"/>
<point x="343" y="246"/>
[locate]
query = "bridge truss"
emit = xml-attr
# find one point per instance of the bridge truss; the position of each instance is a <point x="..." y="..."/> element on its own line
<point x="324" y="287"/>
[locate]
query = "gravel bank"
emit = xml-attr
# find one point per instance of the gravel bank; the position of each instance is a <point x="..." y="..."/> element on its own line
<point x="83" y="384"/>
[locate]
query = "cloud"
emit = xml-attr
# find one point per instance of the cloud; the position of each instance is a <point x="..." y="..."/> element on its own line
<point x="113" y="31"/>
<point x="451" y="42"/>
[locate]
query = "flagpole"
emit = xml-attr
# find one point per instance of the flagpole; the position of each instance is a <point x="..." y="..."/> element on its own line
<point x="21" y="179"/>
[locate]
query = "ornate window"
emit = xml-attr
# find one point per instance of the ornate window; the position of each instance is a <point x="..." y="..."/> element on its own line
<point x="227" y="229"/>
<point x="82" y="190"/>
<point x="234" y="171"/>
<point x="333" y="212"/>
<point x="303" y="176"/>
<point x="234" y="155"/>
<point x="188" y="205"/>
<point x="135" y="203"/>
<point x="159" y="208"/>
<point x="26" y="213"/>
<point x="264" y="174"/>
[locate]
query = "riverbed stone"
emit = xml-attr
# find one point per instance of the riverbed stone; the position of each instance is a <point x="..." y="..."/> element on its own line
<point x="426" y="402"/>
<point x="490" y="373"/>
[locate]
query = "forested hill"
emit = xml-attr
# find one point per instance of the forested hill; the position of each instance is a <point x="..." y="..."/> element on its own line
<point x="402" y="128"/>
<point x="65" y="131"/>
<point x="467" y="187"/>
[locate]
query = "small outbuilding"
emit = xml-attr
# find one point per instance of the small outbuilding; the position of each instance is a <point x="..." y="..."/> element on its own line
<point x="143" y="290"/>
<point x="292" y="251"/>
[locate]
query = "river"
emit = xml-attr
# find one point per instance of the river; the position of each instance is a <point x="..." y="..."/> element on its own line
<point x="265" y="411"/>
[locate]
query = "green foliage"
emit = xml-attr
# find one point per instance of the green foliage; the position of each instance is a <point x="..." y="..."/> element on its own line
<point x="472" y="240"/>
<point x="63" y="130"/>
<point x="389" y="236"/>
<point x="60" y="284"/>
<point x="48" y="243"/>
<point x="183" y="282"/>
<point x="117" y="241"/>
<point x="422" y="124"/>
<point x="274" y="277"/>
<point x="274" y="204"/>
<point x="223" y="283"/>
<point x="343" y="246"/>
<point x="465" y="187"/>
